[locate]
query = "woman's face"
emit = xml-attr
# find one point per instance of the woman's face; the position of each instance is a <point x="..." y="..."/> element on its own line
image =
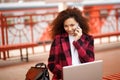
<point x="70" y="26"/>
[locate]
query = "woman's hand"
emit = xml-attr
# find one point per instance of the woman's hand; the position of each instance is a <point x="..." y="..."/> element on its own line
<point x="78" y="33"/>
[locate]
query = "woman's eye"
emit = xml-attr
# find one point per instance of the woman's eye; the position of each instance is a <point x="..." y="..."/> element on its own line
<point x="72" y="25"/>
<point x="65" y="26"/>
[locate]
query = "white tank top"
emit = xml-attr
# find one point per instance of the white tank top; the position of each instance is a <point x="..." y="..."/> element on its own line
<point x="74" y="52"/>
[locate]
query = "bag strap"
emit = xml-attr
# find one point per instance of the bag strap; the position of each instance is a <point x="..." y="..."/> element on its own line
<point x="43" y="65"/>
<point x="45" y="72"/>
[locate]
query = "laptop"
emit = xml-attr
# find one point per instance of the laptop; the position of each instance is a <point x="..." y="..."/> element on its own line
<point x="85" y="71"/>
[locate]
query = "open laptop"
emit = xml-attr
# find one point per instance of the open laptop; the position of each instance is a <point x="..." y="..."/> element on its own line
<point x="85" y="71"/>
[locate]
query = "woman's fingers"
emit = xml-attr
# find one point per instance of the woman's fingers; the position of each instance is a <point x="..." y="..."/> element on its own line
<point x="78" y="33"/>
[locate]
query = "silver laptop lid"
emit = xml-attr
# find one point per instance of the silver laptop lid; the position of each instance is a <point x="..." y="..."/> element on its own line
<point x="85" y="71"/>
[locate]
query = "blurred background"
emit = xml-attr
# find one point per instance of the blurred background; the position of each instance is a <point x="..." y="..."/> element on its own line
<point x="25" y="38"/>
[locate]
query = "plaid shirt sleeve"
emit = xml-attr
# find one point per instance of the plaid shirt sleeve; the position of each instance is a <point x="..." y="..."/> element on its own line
<point x="53" y="65"/>
<point x="85" y="48"/>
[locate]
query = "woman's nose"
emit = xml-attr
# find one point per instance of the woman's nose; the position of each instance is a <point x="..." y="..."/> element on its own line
<point x="69" y="28"/>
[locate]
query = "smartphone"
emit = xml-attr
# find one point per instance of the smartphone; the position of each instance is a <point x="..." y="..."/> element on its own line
<point x="76" y="29"/>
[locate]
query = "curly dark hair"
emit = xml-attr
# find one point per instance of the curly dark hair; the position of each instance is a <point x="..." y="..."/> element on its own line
<point x="58" y="23"/>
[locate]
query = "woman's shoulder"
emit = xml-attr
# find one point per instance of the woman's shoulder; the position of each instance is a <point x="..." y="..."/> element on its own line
<point x="58" y="36"/>
<point x="88" y="36"/>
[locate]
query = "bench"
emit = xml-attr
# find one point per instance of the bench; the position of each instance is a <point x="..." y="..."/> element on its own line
<point x="5" y="49"/>
<point x="115" y="76"/>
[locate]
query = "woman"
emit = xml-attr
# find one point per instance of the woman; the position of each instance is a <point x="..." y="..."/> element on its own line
<point x="71" y="42"/>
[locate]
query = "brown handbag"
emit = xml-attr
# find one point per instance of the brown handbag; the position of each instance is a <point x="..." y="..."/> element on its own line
<point x="39" y="72"/>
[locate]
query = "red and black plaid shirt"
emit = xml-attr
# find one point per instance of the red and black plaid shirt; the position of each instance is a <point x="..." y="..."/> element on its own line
<point x="60" y="54"/>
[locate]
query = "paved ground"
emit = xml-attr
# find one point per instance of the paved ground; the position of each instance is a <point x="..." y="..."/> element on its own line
<point x="14" y="69"/>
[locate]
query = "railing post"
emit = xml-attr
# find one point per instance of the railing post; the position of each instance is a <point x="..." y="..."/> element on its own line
<point x="2" y="33"/>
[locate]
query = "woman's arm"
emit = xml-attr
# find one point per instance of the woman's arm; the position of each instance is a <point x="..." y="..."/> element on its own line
<point x="85" y="49"/>
<point x="53" y="65"/>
